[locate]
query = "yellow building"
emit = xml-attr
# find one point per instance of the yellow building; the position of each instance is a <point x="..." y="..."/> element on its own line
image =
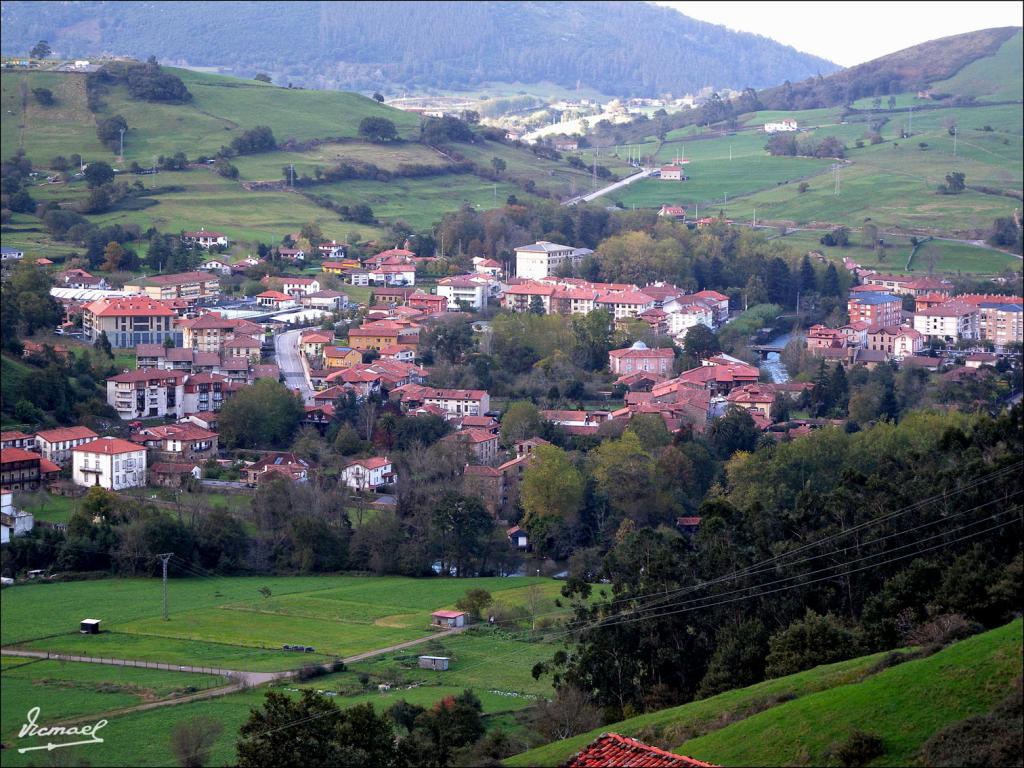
<point x="341" y="357"/>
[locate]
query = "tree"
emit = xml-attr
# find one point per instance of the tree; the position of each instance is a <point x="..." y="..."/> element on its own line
<point x="536" y="305"/>
<point x="108" y="131"/>
<point x="262" y="77"/>
<point x="520" y="421"/>
<point x="377" y="129"/>
<point x="192" y="740"/>
<point x="459" y="526"/>
<point x="830" y="284"/>
<point x="264" y="415"/>
<point x="378" y="97"/>
<point x="701" y="342"/>
<point x="570" y="713"/>
<point x="551" y="492"/>
<point x="474" y="602"/>
<point x="98" y="173"/>
<point x="313" y="731"/>
<point x="40" y="50"/>
<point x="498" y="165"/>
<point x="44" y="96"/>
<point x="808" y="283"/>
<point x="735" y="431"/>
<point x="955" y="184"/>
<point x="103" y="344"/>
<point x="453" y="722"/>
<point x="808" y="642"/>
<point x="112" y="255"/>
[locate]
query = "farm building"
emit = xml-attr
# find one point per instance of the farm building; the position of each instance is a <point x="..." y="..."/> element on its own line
<point x="89" y="627"/>
<point x="434" y="662"/>
<point x="448" y="619"/>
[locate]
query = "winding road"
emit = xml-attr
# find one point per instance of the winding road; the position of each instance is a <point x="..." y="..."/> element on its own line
<point x="643" y="174"/>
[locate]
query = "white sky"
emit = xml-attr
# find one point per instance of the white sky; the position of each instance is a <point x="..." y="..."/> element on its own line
<point x="851" y="33"/>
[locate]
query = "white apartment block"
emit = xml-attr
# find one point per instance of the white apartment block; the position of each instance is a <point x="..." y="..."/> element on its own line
<point x="57" y="444"/>
<point x="543" y="259"/>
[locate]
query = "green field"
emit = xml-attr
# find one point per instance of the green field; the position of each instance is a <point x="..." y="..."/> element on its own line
<point x="46" y="508"/>
<point x="903" y="704"/>
<point x="225" y="621"/>
<point x="496" y="667"/>
<point x="419" y="202"/>
<point x="267" y="166"/>
<point x="222" y="108"/>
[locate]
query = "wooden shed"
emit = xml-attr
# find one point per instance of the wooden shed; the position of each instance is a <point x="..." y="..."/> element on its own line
<point x="89" y="626"/>
<point x="434" y="662"/>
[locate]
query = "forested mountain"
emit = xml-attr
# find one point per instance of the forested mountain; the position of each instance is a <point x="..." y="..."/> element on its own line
<point x="618" y="48"/>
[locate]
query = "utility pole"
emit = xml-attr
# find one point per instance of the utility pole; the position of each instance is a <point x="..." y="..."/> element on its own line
<point x="954" y="140"/>
<point x="121" y="154"/>
<point x="163" y="559"/>
<point x="910" y="121"/>
<point x="730" y="153"/>
<point x="291" y="172"/>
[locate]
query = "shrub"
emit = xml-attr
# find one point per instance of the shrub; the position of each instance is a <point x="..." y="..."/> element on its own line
<point x="943" y="630"/>
<point x="982" y="740"/>
<point x="808" y="642"/>
<point x="860" y="748"/>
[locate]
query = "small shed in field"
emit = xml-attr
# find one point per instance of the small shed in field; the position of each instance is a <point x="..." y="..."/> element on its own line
<point x="448" y="619"/>
<point x="434" y="662"/>
<point x="89" y="626"/>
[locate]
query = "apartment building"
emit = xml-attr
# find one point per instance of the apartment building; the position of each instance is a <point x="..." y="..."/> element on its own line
<point x="110" y="463"/>
<point x="129" y="320"/>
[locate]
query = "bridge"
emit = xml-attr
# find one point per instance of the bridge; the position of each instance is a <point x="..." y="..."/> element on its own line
<point x="766" y="349"/>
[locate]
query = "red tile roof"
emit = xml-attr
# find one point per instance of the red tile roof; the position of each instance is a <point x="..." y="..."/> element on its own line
<point x="129" y="306"/>
<point x="8" y="455"/>
<point x="610" y="750"/>
<point x="65" y="433"/>
<point x="374" y="462"/>
<point x="108" y="446"/>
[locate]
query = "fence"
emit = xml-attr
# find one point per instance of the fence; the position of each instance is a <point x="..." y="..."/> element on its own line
<point x="138" y="663"/>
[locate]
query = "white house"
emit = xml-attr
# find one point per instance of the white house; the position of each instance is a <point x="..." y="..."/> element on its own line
<point x="57" y="444"/>
<point x="300" y="286"/>
<point x="13" y="521"/>
<point x="215" y="265"/>
<point x="204" y="238"/>
<point x="11" y="254"/>
<point x="788" y="124"/>
<point x="369" y="474"/>
<point x="472" y="290"/>
<point x="110" y="463"/>
<point x="688" y="315"/>
<point x="672" y="173"/>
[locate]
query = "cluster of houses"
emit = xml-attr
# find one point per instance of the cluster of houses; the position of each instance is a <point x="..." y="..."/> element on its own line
<point x="880" y="329"/>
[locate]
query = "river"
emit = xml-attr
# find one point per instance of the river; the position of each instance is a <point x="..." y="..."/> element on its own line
<point x="776" y="370"/>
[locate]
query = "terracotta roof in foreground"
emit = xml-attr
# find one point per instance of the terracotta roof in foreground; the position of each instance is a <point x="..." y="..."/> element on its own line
<point x="610" y="750"/>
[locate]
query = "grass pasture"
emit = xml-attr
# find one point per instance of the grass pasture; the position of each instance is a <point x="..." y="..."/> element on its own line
<point x="226" y="622"/>
<point x="992" y="78"/>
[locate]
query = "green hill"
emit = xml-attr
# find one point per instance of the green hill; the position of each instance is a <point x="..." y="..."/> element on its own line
<point x="796" y="720"/>
<point x="221" y="109"/>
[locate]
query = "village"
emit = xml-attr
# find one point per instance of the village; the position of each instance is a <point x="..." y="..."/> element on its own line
<point x="194" y="349"/>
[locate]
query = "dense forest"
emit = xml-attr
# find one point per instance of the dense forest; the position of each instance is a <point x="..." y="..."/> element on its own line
<point x="633" y="49"/>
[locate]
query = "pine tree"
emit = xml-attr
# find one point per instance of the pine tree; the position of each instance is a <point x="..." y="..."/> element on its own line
<point x="807" y="278"/>
<point x="830" y="284"/>
<point x="103" y="344"/>
<point x="839" y="391"/>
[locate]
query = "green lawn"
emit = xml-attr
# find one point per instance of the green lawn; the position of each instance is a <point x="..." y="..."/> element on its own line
<point x="903" y="705"/>
<point x="46" y="508"/>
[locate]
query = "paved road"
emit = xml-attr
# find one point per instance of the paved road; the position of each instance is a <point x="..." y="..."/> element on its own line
<point x="286" y="350"/>
<point x="610" y="188"/>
